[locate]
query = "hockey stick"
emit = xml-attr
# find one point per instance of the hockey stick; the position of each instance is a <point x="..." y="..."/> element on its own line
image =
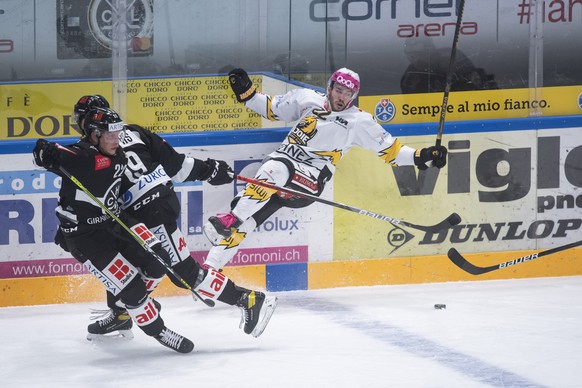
<point x="449" y="222"/>
<point x="449" y="78"/>
<point x="462" y="263"/>
<point x="141" y="242"/>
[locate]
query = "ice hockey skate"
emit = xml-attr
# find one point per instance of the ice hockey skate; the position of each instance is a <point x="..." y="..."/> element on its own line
<point x="220" y="227"/>
<point x="175" y="341"/>
<point x="112" y="324"/>
<point x="256" y="309"/>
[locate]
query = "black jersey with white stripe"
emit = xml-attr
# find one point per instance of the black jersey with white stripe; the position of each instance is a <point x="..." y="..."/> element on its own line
<point x="152" y="162"/>
<point x="101" y="175"/>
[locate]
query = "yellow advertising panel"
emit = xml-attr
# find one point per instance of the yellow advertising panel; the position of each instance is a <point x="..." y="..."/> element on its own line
<point x="196" y="104"/>
<point x="162" y="105"/>
<point x="475" y="105"/>
<point x="514" y="190"/>
<point x="188" y="105"/>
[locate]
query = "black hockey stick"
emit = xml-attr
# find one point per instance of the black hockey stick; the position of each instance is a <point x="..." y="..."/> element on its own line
<point x="449" y="78"/>
<point x="449" y="222"/>
<point x="137" y="238"/>
<point x="462" y="263"/>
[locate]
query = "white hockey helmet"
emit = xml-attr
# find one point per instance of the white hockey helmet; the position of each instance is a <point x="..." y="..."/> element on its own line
<point x="347" y="78"/>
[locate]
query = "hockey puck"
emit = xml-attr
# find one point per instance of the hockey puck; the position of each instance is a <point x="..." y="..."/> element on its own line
<point x="440" y="306"/>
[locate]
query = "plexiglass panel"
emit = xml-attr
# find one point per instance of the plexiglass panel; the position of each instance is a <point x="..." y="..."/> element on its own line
<point x="397" y="46"/>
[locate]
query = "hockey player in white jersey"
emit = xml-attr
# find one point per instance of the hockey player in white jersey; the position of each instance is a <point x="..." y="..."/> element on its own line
<point x="327" y="127"/>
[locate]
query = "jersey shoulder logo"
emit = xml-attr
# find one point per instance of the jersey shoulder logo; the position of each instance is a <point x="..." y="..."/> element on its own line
<point x="102" y="162"/>
<point x="129" y="138"/>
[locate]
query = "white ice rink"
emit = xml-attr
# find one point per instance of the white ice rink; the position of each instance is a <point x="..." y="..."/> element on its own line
<point x="517" y="333"/>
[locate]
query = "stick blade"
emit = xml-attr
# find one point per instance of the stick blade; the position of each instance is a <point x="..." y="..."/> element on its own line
<point x="447" y="223"/>
<point x="454" y="219"/>
<point x="463" y="264"/>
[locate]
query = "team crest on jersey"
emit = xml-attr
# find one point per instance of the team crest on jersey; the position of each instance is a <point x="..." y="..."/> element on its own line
<point x="111" y="196"/>
<point x="385" y="110"/>
<point x="304" y="131"/>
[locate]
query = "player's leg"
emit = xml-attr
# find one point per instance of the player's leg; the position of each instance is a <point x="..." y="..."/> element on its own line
<point x="248" y="202"/>
<point x="97" y="251"/>
<point x="256" y="307"/>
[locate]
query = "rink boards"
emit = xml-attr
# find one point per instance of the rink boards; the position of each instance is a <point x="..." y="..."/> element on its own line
<point x="515" y="184"/>
<point x="284" y="277"/>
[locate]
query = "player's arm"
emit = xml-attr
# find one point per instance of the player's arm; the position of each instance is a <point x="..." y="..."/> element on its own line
<point x="181" y="167"/>
<point x="246" y="92"/>
<point x="51" y="155"/>
<point x="285" y="107"/>
<point x="393" y="152"/>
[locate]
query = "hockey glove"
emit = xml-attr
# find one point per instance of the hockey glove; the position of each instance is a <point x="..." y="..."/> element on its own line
<point x="219" y="172"/>
<point x="46" y="154"/>
<point x="430" y="156"/>
<point x="241" y="85"/>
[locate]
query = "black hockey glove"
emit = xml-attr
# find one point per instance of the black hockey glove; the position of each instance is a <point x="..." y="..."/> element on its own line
<point x="241" y="85"/>
<point x="430" y="156"/>
<point x="46" y="154"/>
<point x="218" y="173"/>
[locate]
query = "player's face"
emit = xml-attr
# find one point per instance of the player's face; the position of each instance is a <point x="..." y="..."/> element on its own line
<point x="108" y="142"/>
<point x="339" y="97"/>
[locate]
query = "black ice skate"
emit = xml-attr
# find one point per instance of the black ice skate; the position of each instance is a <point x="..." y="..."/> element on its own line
<point x="257" y="310"/>
<point x="175" y="341"/>
<point x="110" y="324"/>
<point x="220" y="227"/>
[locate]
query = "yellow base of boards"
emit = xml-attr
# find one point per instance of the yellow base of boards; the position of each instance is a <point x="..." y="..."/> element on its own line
<point x="86" y="288"/>
<point x="435" y="269"/>
<point x="350" y="273"/>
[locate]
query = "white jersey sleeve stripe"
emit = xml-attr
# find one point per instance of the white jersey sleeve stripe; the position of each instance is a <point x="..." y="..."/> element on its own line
<point x="185" y="171"/>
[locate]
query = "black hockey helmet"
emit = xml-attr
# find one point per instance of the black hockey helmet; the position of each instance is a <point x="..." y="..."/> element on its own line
<point x="85" y="104"/>
<point x="102" y="120"/>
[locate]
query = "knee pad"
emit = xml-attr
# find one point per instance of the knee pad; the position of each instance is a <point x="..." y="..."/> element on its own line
<point x="274" y="171"/>
<point x="134" y="294"/>
<point x="150" y="282"/>
<point x="153" y="268"/>
<point x="188" y="271"/>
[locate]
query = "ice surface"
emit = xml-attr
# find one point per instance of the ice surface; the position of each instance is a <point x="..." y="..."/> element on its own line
<point x="509" y="333"/>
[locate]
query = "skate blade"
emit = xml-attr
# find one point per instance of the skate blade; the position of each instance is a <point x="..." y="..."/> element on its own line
<point x="120" y="335"/>
<point x="269" y="308"/>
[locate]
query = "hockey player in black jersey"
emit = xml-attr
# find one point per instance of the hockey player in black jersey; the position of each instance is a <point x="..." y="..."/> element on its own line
<point x="152" y="167"/>
<point x="91" y="235"/>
